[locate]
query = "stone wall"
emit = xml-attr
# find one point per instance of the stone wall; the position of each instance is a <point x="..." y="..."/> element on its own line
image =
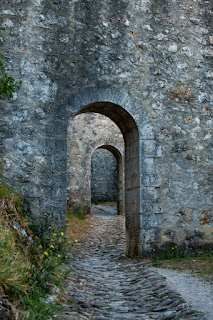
<point x="103" y="176"/>
<point x="152" y="61"/>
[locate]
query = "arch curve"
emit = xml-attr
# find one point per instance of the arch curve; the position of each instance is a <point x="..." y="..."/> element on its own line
<point x="84" y="137"/>
<point x="115" y="100"/>
<point x="119" y="156"/>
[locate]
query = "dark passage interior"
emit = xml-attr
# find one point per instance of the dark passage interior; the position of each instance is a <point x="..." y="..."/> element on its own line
<point x="104" y="176"/>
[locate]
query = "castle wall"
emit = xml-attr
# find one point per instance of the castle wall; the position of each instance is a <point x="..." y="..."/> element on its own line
<point x="157" y="52"/>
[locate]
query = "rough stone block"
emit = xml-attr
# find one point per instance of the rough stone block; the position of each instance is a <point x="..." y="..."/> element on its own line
<point x="151" y="149"/>
<point x="147" y="132"/>
<point x="59" y="163"/>
<point x="157" y="209"/>
<point x="149" y="194"/>
<point x="147" y="221"/>
<point x="55" y="146"/>
<point x="209" y="52"/>
<point x="150" y="181"/>
<point x="147" y="166"/>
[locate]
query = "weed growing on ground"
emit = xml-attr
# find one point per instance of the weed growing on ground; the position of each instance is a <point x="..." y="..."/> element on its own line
<point x="77" y="213"/>
<point x="172" y="253"/>
<point x="13" y="265"/>
<point x="9" y="193"/>
<point x="77" y="226"/>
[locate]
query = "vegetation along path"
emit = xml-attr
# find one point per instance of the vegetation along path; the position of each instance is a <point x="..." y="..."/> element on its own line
<point x="104" y="284"/>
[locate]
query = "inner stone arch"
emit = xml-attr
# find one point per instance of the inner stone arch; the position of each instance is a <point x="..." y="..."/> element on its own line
<point x="119" y="168"/>
<point x="86" y="133"/>
<point x="130" y="133"/>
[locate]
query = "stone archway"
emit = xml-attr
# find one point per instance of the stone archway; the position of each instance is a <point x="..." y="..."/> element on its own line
<point x="141" y="149"/>
<point x="130" y="133"/>
<point x="120" y="176"/>
<point x="86" y="133"/>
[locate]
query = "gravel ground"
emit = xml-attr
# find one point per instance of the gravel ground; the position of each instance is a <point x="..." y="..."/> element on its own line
<point x="196" y="292"/>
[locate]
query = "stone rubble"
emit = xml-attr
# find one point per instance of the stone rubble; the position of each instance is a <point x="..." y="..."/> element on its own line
<point x="105" y="284"/>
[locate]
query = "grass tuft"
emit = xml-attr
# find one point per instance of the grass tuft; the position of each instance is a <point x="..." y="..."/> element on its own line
<point x="200" y="264"/>
<point x="77" y="213"/>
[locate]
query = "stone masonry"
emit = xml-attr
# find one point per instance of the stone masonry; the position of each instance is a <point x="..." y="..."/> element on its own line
<point x="145" y="64"/>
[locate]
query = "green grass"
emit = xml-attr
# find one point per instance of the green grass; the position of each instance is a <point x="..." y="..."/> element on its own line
<point x="12" y="196"/>
<point x="28" y="274"/>
<point x="77" y="213"/>
<point x="28" y="280"/>
<point x="13" y="266"/>
<point x="198" y="264"/>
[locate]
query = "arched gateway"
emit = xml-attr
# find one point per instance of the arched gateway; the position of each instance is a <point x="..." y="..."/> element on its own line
<point x="139" y="193"/>
<point x="129" y="129"/>
<point x="86" y="133"/>
<point x="120" y="175"/>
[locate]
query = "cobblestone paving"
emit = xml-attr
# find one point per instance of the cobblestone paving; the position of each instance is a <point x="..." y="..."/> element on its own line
<point x="104" y="284"/>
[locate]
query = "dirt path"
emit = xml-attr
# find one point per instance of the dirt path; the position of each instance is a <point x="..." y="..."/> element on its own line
<point x="198" y="293"/>
<point x="105" y="285"/>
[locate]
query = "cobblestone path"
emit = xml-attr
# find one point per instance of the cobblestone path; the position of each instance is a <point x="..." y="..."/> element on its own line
<point x="105" y="285"/>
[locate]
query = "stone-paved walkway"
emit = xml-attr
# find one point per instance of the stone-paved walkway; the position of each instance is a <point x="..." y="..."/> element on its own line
<point x="105" y="285"/>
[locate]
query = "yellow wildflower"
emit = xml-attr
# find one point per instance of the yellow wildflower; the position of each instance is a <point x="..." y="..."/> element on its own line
<point x="62" y="233"/>
<point x="45" y="252"/>
<point x="52" y="246"/>
<point x="175" y="247"/>
<point x="40" y="247"/>
<point x="76" y="240"/>
<point x="172" y="248"/>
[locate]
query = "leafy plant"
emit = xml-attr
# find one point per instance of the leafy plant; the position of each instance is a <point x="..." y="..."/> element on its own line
<point x="8" y="85"/>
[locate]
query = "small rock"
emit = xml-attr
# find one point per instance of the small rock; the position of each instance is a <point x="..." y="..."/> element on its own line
<point x="209" y="52"/>
<point x="168" y="315"/>
<point x="172" y="48"/>
<point x="161" y="37"/>
<point x="115" y="34"/>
